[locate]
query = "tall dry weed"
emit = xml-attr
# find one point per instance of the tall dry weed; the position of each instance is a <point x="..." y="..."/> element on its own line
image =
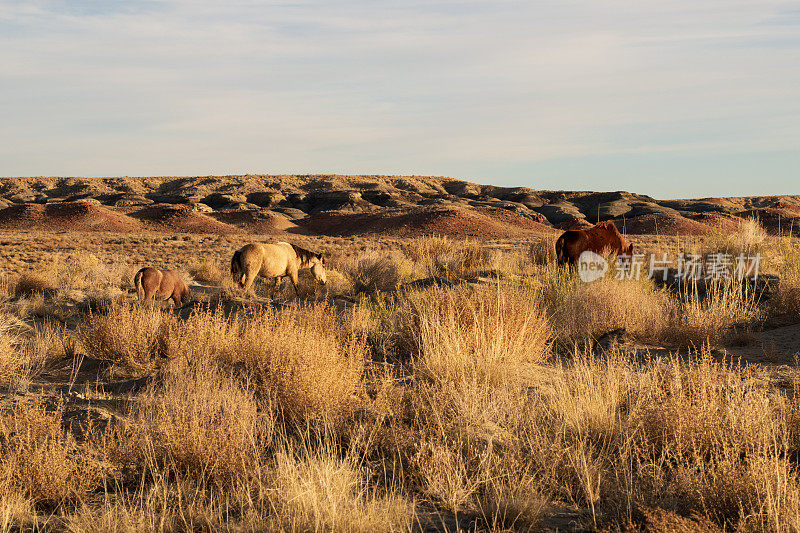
<point x="206" y="270"/>
<point x="317" y="490"/>
<point x="442" y="257"/>
<point x="42" y="462"/>
<point x="126" y="335"/>
<point x="304" y="359"/>
<point x="201" y="423"/>
<point x="481" y="333"/>
<point x="697" y="319"/>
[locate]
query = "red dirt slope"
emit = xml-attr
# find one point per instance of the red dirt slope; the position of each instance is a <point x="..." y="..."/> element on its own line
<point x="65" y="216"/>
<point x="181" y="218"/>
<point x="262" y="221"/>
<point x="662" y="224"/>
<point x="448" y="220"/>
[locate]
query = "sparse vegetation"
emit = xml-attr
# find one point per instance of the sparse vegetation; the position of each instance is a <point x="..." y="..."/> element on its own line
<point x="207" y="271"/>
<point x="455" y="385"/>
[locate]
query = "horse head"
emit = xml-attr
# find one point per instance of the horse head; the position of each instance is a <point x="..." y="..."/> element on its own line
<point x="318" y="269"/>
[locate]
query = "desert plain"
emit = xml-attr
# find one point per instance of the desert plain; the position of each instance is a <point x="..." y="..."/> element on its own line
<point x="449" y="376"/>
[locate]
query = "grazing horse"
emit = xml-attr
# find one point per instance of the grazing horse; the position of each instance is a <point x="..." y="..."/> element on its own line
<point x="274" y="261"/>
<point x="167" y="283"/>
<point x="600" y="237"/>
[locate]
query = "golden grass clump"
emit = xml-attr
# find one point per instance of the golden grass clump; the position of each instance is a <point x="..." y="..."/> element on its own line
<point x="442" y="257"/>
<point x="697" y="320"/>
<point x="200" y="422"/>
<point x="207" y="271"/>
<point x="42" y="461"/>
<point x="12" y="365"/>
<point x="382" y="272"/>
<point x="543" y="251"/>
<point x="481" y="333"/>
<point x="584" y="311"/>
<point x="31" y="283"/>
<point x="748" y="239"/>
<point x="316" y="490"/>
<point x="304" y="359"/>
<point x="125" y="334"/>
<point x="787" y="296"/>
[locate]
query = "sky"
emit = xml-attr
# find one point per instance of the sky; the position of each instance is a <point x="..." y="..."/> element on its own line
<point x="671" y="98"/>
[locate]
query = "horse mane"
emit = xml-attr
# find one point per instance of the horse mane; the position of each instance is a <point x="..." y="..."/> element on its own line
<point x="612" y="234"/>
<point x="305" y="255"/>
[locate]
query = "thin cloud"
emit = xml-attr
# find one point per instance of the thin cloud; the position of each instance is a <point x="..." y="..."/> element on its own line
<point x="179" y="87"/>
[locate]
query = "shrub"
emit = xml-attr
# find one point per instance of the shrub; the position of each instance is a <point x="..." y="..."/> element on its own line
<point x="200" y="422"/>
<point x="43" y="462"/>
<point x="787" y="296"/>
<point x="443" y="257"/>
<point x="479" y="333"/>
<point x="304" y="359"/>
<point x="382" y="272"/>
<point x="206" y="271"/>
<point x="695" y="321"/>
<point x="543" y="251"/>
<point x="315" y="490"/>
<point x="126" y="335"/>
<point x="12" y="364"/>
<point x="584" y="311"/>
<point x="31" y="283"/>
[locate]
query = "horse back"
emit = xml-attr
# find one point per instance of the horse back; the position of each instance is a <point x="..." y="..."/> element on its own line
<point x="272" y="260"/>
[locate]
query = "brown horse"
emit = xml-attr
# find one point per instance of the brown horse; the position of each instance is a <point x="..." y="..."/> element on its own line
<point x="167" y="283"/>
<point x="600" y="237"/>
<point x="274" y="261"/>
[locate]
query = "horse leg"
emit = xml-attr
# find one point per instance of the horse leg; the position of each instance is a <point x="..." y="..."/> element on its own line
<point x="149" y="296"/>
<point x="276" y="281"/>
<point x="248" y="282"/>
<point x="293" y="277"/>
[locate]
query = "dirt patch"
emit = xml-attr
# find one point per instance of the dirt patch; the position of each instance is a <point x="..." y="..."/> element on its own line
<point x="720" y="221"/>
<point x="662" y="224"/>
<point x="66" y="216"/>
<point x="252" y="221"/>
<point x="451" y="221"/>
<point x="180" y="218"/>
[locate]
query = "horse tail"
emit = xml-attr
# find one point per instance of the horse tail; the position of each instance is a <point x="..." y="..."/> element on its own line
<point x="237" y="269"/>
<point x="137" y="282"/>
<point x="561" y="253"/>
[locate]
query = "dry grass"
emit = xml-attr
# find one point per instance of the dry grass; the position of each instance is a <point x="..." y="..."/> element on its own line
<point x="316" y="490"/>
<point x="305" y="359"/>
<point x="200" y="422"/>
<point x="450" y="259"/>
<point x="543" y="251"/>
<point x="585" y="311"/>
<point x="288" y="418"/>
<point x="695" y="321"/>
<point x="381" y="272"/>
<point x="11" y="363"/>
<point x="32" y="283"/>
<point x="480" y="334"/>
<point x="42" y="462"/>
<point x="787" y="297"/>
<point x="206" y="271"/>
<point x="748" y="238"/>
<point x="126" y="335"/>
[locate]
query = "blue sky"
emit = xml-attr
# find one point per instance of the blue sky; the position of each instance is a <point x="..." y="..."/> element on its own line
<point x="668" y="98"/>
